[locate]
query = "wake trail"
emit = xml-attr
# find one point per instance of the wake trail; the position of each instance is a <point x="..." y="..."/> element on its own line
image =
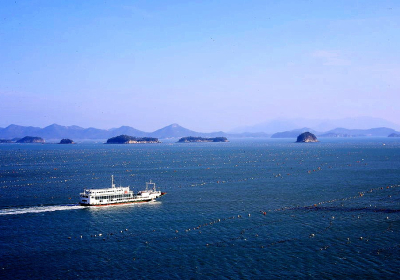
<point x="38" y="209"/>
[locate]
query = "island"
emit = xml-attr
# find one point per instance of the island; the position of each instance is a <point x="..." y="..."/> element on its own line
<point x="31" y="139"/>
<point x="66" y="141"/>
<point x="126" y="139"/>
<point x="394" y="135"/>
<point x="5" y="141"/>
<point x="191" y="139"/>
<point x="306" y="137"/>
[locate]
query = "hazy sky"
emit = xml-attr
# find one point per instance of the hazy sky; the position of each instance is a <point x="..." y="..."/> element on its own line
<point x="207" y="65"/>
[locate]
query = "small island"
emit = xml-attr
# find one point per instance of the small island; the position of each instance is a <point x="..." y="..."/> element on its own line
<point x="66" y="141"/>
<point x="31" y="139"/>
<point x="306" y="137"/>
<point x="191" y="139"/>
<point x="126" y="139"/>
<point x="5" y="141"/>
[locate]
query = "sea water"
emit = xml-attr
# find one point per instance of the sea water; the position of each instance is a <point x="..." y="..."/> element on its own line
<point x="247" y="209"/>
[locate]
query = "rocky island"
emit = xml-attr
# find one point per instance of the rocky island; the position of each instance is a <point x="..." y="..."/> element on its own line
<point x="201" y="139"/>
<point x="30" y="139"/>
<point x="306" y="137"/>
<point x="66" y="141"/>
<point x="126" y="139"/>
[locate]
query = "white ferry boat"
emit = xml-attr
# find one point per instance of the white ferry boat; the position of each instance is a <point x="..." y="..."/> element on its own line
<point x="118" y="195"/>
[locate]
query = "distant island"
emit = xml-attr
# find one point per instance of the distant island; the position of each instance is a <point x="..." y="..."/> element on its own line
<point x="306" y="137"/>
<point x="126" y="139"/>
<point x="66" y="141"/>
<point x="30" y="139"/>
<point x="394" y="135"/>
<point x="201" y="139"/>
<point x="5" y="141"/>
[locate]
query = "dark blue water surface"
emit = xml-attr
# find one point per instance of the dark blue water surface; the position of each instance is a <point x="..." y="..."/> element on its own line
<point x="248" y="209"/>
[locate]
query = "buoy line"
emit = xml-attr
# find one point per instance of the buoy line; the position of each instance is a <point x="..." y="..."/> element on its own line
<point x="276" y="242"/>
<point x="360" y="194"/>
<point x="315" y="207"/>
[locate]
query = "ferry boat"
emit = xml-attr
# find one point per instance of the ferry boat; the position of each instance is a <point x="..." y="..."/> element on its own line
<point x="118" y="195"/>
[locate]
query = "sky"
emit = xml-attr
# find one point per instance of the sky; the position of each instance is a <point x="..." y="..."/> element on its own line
<point x="206" y="65"/>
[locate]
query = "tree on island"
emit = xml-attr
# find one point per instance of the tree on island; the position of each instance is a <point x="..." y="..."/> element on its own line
<point x="201" y="139"/>
<point x="31" y="139"/>
<point x="306" y="137"/>
<point x="66" y="141"/>
<point x="126" y="139"/>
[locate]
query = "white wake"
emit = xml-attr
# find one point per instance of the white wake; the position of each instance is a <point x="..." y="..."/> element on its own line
<point x="38" y="209"/>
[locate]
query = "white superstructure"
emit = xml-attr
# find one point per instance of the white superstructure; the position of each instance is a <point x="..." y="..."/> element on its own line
<point x="118" y="195"/>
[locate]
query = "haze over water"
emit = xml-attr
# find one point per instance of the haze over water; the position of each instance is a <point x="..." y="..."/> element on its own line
<point x="257" y="209"/>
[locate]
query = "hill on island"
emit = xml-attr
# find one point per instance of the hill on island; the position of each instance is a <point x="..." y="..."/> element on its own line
<point x="323" y="125"/>
<point x="338" y="132"/>
<point x="173" y="131"/>
<point x="292" y="133"/>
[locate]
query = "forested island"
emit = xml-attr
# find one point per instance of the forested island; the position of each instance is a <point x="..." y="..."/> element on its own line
<point x="126" y="139"/>
<point x="191" y="139"/>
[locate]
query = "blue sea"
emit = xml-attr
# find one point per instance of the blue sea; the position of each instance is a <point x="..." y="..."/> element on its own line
<point x="247" y="209"/>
